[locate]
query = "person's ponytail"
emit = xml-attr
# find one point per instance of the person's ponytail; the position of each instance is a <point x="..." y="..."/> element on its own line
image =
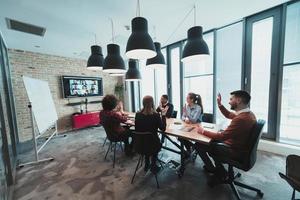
<point x="198" y="100"/>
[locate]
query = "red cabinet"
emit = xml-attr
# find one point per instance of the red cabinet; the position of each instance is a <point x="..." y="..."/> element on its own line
<point x="85" y="120"/>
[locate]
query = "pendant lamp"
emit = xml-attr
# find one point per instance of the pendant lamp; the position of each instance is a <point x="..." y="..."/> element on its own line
<point x="195" y="49"/>
<point x="133" y="73"/>
<point x="95" y="61"/>
<point x="140" y="44"/>
<point x="113" y="62"/>
<point x="158" y="61"/>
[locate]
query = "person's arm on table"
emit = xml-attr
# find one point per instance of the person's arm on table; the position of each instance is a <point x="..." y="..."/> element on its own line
<point x="228" y="133"/>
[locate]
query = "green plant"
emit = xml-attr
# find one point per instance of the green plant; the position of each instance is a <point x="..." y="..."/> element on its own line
<point x="119" y="91"/>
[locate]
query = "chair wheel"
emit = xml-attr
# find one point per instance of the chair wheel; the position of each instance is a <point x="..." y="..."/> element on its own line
<point x="260" y="194"/>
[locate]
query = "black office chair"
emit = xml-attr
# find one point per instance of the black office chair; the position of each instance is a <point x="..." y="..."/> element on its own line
<point x="113" y="140"/>
<point x="245" y="163"/>
<point x="174" y="114"/>
<point x="292" y="175"/>
<point x="207" y="117"/>
<point x="145" y="144"/>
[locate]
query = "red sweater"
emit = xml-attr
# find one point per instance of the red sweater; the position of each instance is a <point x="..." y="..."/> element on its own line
<point x="238" y="132"/>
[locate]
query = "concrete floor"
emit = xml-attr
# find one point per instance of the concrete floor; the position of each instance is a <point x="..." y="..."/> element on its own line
<point x="79" y="171"/>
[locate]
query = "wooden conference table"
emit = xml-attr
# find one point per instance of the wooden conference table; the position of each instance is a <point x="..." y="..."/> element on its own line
<point x="181" y="130"/>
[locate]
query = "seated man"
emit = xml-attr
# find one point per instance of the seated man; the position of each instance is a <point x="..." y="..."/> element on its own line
<point x="165" y="106"/>
<point x="235" y="135"/>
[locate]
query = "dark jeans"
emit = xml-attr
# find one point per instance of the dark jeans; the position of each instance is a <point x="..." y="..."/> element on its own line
<point x="215" y="152"/>
<point x="124" y="137"/>
<point x="187" y="144"/>
<point x="153" y="159"/>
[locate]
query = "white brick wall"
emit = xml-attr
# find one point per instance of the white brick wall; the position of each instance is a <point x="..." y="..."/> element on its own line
<point x="50" y="68"/>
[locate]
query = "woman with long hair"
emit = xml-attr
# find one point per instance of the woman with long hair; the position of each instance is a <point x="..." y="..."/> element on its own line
<point x="148" y="120"/>
<point x="193" y="110"/>
<point x="191" y="114"/>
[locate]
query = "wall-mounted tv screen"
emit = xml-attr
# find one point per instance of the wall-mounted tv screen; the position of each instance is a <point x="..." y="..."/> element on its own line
<point x="79" y="86"/>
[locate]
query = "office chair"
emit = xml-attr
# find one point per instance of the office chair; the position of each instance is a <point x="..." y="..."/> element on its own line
<point x="174" y="114"/>
<point x="292" y="175"/>
<point x="113" y="143"/>
<point x="145" y="144"/>
<point x="246" y="162"/>
<point x="207" y="117"/>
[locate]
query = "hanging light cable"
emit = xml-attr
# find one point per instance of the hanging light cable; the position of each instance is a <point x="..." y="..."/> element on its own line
<point x="195" y="49"/>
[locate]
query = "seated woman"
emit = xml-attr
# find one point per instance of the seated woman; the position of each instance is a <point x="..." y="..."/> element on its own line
<point x="120" y="108"/>
<point x="148" y="120"/>
<point x="191" y="114"/>
<point x="111" y="121"/>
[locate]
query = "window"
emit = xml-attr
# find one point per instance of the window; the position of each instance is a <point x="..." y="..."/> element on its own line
<point x="228" y="65"/>
<point x="175" y="80"/>
<point x="261" y="67"/>
<point x="198" y="77"/>
<point x="147" y="82"/>
<point x="262" y="64"/>
<point x="292" y="32"/>
<point x="161" y="80"/>
<point x="290" y="104"/>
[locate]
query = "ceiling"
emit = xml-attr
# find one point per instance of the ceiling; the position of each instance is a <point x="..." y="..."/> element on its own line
<point x="71" y="25"/>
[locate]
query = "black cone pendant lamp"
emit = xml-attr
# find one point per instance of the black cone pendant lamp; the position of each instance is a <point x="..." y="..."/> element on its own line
<point x="158" y="61"/>
<point x="95" y="61"/>
<point x="133" y="73"/>
<point x="113" y="62"/>
<point x="140" y="44"/>
<point x="195" y="49"/>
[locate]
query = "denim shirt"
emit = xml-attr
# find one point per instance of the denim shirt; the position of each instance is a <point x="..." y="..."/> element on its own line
<point x="193" y="113"/>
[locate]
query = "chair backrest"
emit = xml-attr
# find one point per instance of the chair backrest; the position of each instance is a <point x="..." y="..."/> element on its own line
<point x="109" y="133"/>
<point x="207" y="117"/>
<point x="250" y="158"/>
<point x="293" y="167"/>
<point x="174" y="114"/>
<point x="146" y="143"/>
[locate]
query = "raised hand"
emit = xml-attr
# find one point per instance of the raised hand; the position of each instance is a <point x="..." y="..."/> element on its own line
<point x="164" y="110"/>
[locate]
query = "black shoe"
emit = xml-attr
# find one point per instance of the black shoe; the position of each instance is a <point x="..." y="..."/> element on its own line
<point x="209" y="169"/>
<point x="155" y="169"/>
